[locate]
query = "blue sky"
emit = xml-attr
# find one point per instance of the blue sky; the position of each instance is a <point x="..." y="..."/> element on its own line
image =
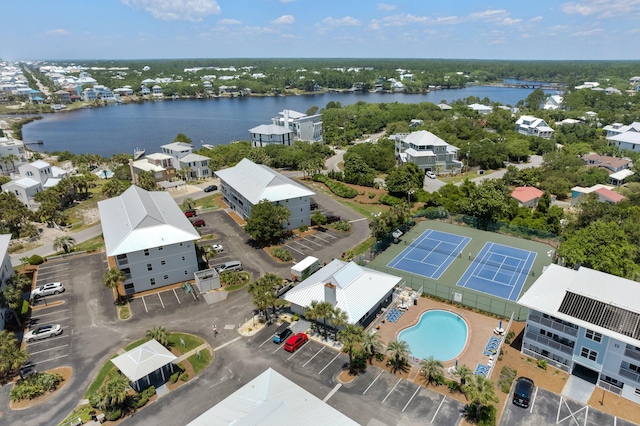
<point x="149" y="29"/>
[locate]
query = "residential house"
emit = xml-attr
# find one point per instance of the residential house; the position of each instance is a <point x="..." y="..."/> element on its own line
<point x="149" y="239"/>
<point x="144" y="91"/>
<point x="305" y="127"/>
<point x="41" y="171"/>
<point x="161" y="165"/>
<point x="427" y="151"/>
<point x="553" y="102"/>
<point x="624" y="137"/>
<point x="270" y="134"/>
<point x="585" y="322"/>
<point x="6" y="272"/>
<point x="247" y="183"/>
<point x="445" y="107"/>
<point x="156" y="91"/>
<point x="146" y="365"/>
<point x="605" y="194"/>
<point x="271" y="399"/>
<point x="481" y="109"/>
<point x="64" y="97"/>
<point x="527" y="196"/>
<point x="358" y="291"/>
<point x="12" y="154"/>
<point x="24" y="189"/>
<point x="183" y="157"/>
<point x="416" y="123"/>
<point x="532" y="126"/>
<point x="613" y="164"/>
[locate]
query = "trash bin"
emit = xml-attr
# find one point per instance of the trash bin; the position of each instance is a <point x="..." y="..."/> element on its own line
<point x="415" y="301"/>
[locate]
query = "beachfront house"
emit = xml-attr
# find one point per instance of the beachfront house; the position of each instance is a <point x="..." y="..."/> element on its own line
<point x="586" y="323"/>
<point x="149" y="239"/>
<point x="182" y="155"/>
<point x="358" y="291"/>
<point x="12" y="154"/>
<point x="305" y="127"/>
<point x="247" y="183"/>
<point x="161" y="165"/>
<point x="270" y="134"/>
<point x="427" y="151"/>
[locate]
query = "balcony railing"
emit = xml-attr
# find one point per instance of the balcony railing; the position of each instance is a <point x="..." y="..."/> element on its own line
<point x="629" y="374"/>
<point x="571" y="331"/>
<point x="550" y="343"/>
<point x="632" y="354"/>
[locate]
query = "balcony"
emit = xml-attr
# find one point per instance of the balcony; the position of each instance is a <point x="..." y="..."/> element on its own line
<point x="631" y="353"/>
<point x="629" y="374"/>
<point x="571" y="331"/>
<point x="549" y="343"/>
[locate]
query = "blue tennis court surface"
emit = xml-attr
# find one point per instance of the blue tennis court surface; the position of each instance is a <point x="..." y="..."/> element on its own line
<point x="430" y="254"/>
<point x="499" y="270"/>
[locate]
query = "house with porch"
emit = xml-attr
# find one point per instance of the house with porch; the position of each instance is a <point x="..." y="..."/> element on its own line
<point x="24" y="189"/>
<point x="481" y="109"/>
<point x="427" y="151"/>
<point x="305" y="127"/>
<point x="146" y="365"/>
<point x="270" y="134"/>
<point x="586" y="323"/>
<point x="605" y="194"/>
<point x="160" y="164"/>
<point x="533" y="126"/>
<point x="183" y="157"/>
<point x="527" y="196"/>
<point x="148" y="238"/>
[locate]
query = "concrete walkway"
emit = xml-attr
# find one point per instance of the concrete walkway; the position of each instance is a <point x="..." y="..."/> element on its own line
<point x="193" y="352"/>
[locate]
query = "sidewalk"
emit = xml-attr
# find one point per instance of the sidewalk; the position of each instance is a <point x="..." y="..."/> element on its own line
<point x="193" y="352"/>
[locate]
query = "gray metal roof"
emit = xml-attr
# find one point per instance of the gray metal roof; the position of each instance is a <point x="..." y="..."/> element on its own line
<point x="143" y="360"/>
<point x="272" y="400"/>
<point x="270" y="129"/>
<point x="139" y="219"/>
<point x="257" y="182"/>
<point x="422" y="137"/>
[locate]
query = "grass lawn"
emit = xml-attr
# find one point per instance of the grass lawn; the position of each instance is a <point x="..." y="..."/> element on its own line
<point x="190" y="341"/>
<point x="135" y="344"/>
<point x="124" y="312"/>
<point x="366" y="210"/>
<point x="201" y="363"/>
<point x="81" y="412"/>
<point x="92" y="244"/>
<point x="364" y="246"/>
<point x="209" y="202"/>
<point x="99" y="380"/>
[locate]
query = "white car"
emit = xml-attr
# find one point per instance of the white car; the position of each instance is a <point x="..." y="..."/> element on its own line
<point x="47" y="290"/>
<point x="43" y="332"/>
<point x="430" y="174"/>
<point x="217" y="248"/>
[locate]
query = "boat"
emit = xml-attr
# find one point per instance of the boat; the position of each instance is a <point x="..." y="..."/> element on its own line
<point x="138" y="153"/>
<point x="207" y="146"/>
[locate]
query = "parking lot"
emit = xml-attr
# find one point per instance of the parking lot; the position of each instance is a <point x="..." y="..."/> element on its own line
<point x="399" y="398"/>
<point x="309" y="246"/>
<point x="164" y="301"/>
<point x="548" y="408"/>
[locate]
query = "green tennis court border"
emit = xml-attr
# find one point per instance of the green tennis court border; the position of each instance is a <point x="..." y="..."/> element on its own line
<point x="445" y="287"/>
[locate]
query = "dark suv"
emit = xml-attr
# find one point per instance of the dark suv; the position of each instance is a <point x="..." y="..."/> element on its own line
<point x="522" y="392"/>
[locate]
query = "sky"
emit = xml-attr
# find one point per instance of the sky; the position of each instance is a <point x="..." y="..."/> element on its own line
<point x="455" y="29"/>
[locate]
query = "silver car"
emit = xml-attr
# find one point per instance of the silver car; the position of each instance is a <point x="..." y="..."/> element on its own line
<point x="47" y="290"/>
<point x="43" y="332"/>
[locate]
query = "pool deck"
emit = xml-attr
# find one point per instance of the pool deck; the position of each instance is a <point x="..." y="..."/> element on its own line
<point x="480" y="330"/>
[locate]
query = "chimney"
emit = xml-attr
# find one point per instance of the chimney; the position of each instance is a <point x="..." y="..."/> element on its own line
<point x="330" y="293"/>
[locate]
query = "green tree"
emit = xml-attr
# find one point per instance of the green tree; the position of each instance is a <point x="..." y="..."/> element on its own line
<point x="11" y="296"/>
<point x="65" y="243"/>
<point x="180" y="137"/>
<point x="464" y="373"/>
<point x="159" y="334"/>
<point x="431" y="369"/>
<point x="265" y="225"/>
<point x="264" y="290"/>
<point x="114" y="392"/>
<point x="146" y="180"/>
<point x="318" y="218"/>
<point x="481" y="392"/>
<point x="188" y="203"/>
<point x="398" y="351"/>
<point x="114" y="187"/>
<point x="405" y="178"/>
<point x="371" y="345"/>
<point x="11" y="356"/>
<point x="112" y="279"/>
<point x="351" y="336"/>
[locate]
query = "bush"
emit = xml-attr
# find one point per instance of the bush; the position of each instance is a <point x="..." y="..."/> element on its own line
<point x="342" y="225"/>
<point x="282" y="254"/>
<point x="113" y="414"/>
<point x="389" y="200"/>
<point x="35" y="260"/>
<point x="487" y="415"/>
<point x="34" y="386"/>
<point x="453" y="386"/>
<point x="296" y="317"/>
<point x="25" y="308"/>
<point x="507" y="376"/>
<point x="174" y="377"/>
<point x="372" y="195"/>
<point x="340" y="189"/>
<point x="184" y="377"/>
<point x="510" y="335"/>
<point x="542" y="363"/>
<point x="304" y="228"/>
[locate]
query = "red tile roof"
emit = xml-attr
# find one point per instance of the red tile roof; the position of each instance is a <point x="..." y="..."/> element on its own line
<point x="614" y="197"/>
<point x="525" y="194"/>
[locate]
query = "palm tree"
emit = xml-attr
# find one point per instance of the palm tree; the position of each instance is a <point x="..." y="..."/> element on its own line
<point x="112" y="279"/>
<point x="263" y="292"/>
<point x="113" y="392"/>
<point x="371" y="345"/>
<point x="113" y="188"/>
<point x="399" y="352"/>
<point x="12" y="297"/>
<point x="188" y="203"/>
<point x="160" y="334"/>
<point x="320" y="310"/>
<point x="431" y="369"/>
<point x="338" y="318"/>
<point x="65" y="243"/>
<point x="351" y="336"/>
<point x="11" y="359"/>
<point x="464" y="373"/>
<point x="480" y="391"/>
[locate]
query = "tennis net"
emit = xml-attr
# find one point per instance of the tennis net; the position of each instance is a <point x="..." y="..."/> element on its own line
<point x="519" y="269"/>
<point x="449" y="252"/>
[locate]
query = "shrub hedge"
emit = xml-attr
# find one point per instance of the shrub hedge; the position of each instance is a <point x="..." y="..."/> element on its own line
<point x="282" y="254"/>
<point x="389" y="200"/>
<point x="338" y="188"/>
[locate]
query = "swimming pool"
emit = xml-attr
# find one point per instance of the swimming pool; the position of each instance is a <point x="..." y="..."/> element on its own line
<point x="442" y="334"/>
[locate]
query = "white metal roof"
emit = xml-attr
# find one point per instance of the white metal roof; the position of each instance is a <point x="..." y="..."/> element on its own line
<point x="358" y="289"/>
<point x="549" y="290"/>
<point x="40" y="164"/>
<point x="143" y="360"/>
<point x="148" y="166"/>
<point x="272" y="400"/>
<point x="622" y="174"/>
<point x="24" y="182"/>
<point x="139" y="219"/>
<point x="177" y="146"/>
<point x="422" y="137"/>
<point x="413" y="153"/>
<point x="270" y="129"/>
<point x="159" y="156"/>
<point x="628" y="137"/>
<point x="193" y="157"/>
<point x="257" y="182"/>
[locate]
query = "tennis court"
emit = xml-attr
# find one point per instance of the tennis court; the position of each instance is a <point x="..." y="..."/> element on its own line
<point x="430" y="254"/>
<point x="499" y="270"/>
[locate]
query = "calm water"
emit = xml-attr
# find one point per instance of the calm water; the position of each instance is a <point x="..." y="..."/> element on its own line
<point x="122" y="128"/>
<point x="442" y="334"/>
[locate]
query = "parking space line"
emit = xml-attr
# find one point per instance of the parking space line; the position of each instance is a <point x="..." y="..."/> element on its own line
<point x="49" y="339"/>
<point x="307" y="247"/>
<point x="325" y="367"/>
<point x="295" y="250"/>
<point x="50" y="359"/>
<point x="161" y="302"/>
<point x="309" y="240"/>
<point x="47" y="350"/>
<point x="50" y="313"/>
<point x="315" y="355"/>
<point x="533" y="400"/>
<point x="357" y="220"/>
<point x="293" y="354"/>
<point x="411" y="399"/>
<point x="392" y="389"/>
<point x="228" y="343"/>
<point x="176" y="294"/>
<point x="279" y="346"/>
<point x="265" y="342"/>
<point x="318" y="237"/>
<point x="439" y="406"/>
<point x="333" y="391"/>
<point x="374" y="380"/>
<point x="57" y="320"/>
<point x="145" y="304"/>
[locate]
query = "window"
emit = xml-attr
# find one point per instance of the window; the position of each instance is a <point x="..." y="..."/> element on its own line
<point x="182" y="257"/>
<point x="166" y="277"/>
<point x="152" y="281"/>
<point x="590" y="334"/>
<point x="149" y="267"/>
<point x="589" y="354"/>
<point x="146" y="252"/>
<point x="163" y="262"/>
<point x="128" y="286"/>
<point x="634" y="367"/>
<point x="186" y="273"/>
<point x="160" y="248"/>
<point x="637" y="391"/>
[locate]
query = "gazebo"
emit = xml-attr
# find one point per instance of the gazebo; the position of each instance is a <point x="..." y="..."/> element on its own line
<point x="150" y="361"/>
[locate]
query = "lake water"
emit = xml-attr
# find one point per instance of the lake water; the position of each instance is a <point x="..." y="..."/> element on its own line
<point x="123" y="128"/>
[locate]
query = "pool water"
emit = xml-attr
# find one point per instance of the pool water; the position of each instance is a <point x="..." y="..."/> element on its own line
<point x="442" y="334"/>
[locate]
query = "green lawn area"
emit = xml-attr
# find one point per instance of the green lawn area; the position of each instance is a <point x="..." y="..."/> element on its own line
<point x="201" y="363"/>
<point x="190" y="341"/>
<point x="364" y="246"/>
<point x="135" y="344"/>
<point x="81" y="412"/>
<point x="366" y="210"/>
<point x="92" y="244"/>
<point x="209" y="202"/>
<point x="102" y="374"/>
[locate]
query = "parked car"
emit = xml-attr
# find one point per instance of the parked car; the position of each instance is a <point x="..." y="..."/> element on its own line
<point x="198" y="222"/>
<point x="47" y="290"/>
<point x="522" y="392"/>
<point x="282" y="333"/>
<point x="217" y="248"/>
<point x="211" y="188"/>
<point x="332" y="218"/>
<point x="430" y="174"/>
<point x="295" y="341"/>
<point x="43" y="332"/>
<point x="190" y="213"/>
<point x="313" y="205"/>
<point x="233" y="265"/>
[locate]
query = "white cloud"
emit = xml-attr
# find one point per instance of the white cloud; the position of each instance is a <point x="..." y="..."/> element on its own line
<point x="284" y="19"/>
<point x="387" y="7"/>
<point x="587" y="33"/>
<point x="229" y="22"/>
<point x="346" y="21"/>
<point x="510" y="21"/>
<point x="603" y="8"/>
<point x="58" y="31"/>
<point x="287" y="1"/>
<point x="489" y="15"/>
<point x="176" y="10"/>
<point x="536" y="19"/>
